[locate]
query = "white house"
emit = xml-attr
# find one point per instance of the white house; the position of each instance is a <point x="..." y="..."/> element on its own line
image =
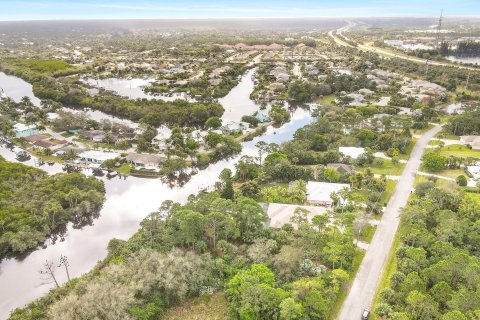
<point x="352" y="152"/>
<point x="97" y="157"/>
<point x="320" y="193"/>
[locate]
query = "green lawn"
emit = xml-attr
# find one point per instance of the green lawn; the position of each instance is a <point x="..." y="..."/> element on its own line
<point x="385" y="166"/>
<point x="124" y="169"/>
<point x="408" y="151"/>
<point x="440" y="183"/>
<point x="387" y="194"/>
<point x="422" y="131"/>
<point x="451" y="173"/>
<point x="445" y="135"/>
<point x="367" y="234"/>
<point x="459" y="150"/>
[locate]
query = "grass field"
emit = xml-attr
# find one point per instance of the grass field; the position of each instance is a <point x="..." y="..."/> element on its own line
<point x="440" y="183"/>
<point x="206" y="307"/>
<point x="385" y="166"/>
<point x="368" y="233"/>
<point x="42" y="66"/>
<point x="387" y="194"/>
<point x="406" y="155"/>
<point x="459" y="150"/>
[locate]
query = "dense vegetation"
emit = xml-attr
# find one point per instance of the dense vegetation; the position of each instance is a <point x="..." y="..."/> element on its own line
<point x="212" y="244"/>
<point x="467" y="123"/>
<point x="34" y="205"/>
<point x="438" y="263"/>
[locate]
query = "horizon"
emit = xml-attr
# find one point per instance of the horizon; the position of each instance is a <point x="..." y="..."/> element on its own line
<point x="55" y="10"/>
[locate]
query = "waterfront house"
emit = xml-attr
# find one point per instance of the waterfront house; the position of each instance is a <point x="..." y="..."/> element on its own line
<point x="97" y="157"/>
<point x="144" y="160"/>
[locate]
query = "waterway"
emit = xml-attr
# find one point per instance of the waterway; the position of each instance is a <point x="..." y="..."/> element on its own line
<point x="133" y="88"/>
<point x="472" y="60"/>
<point x="128" y="201"/>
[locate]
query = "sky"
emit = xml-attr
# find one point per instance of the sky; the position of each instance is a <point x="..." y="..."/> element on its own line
<point x="217" y="9"/>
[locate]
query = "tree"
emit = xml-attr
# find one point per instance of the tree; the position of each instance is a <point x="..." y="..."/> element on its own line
<point x="462" y="181"/>
<point x="290" y="310"/>
<point x="262" y="147"/>
<point x="434" y="161"/>
<point x="227" y="191"/>
<point x="213" y="122"/>
<point x="383" y="310"/>
<point x="48" y="270"/>
<point x="454" y="315"/>
<point x="421" y="307"/>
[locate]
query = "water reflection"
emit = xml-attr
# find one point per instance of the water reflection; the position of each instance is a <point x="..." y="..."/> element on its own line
<point x="16" y="89"/>
<point x="128" y="201"/>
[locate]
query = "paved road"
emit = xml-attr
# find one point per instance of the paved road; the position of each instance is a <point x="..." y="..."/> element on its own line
<point x="367" y="47"/>
<point x="368" y="276"/>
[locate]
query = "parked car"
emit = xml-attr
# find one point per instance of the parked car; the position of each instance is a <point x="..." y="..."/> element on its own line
<point x="365" y="314"/>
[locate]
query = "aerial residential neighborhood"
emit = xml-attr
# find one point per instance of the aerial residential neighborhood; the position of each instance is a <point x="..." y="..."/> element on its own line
<point x="240" y="160"/>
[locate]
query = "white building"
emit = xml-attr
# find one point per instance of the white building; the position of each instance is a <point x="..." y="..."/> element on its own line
<point x="320" y="193"/>
<point x="97" y="157"/>
<point x="352" y="152"/>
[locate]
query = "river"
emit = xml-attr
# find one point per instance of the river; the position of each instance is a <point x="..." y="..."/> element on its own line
<point x="127" y="203"/>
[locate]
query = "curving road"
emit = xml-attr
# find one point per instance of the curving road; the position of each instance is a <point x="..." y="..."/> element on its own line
<point x="368" y="276"/>
<point x="379" y="51"/>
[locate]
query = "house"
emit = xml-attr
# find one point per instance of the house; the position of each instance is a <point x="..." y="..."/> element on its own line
<point x="22" y="130"/>
<point x="234" y="127"/>
<point x="97" y="157"/>
<point x="474" y="171"/>
<point x="320" y="193"/>
<point x="352" y="152"/>
<point x="473" y="141"/>
<point x="262" y="117"/>
<point x="94" y="135"/>
<point x="280" y="214"/>
<point x="342" y="168"/>
<point x="144" y="160"/>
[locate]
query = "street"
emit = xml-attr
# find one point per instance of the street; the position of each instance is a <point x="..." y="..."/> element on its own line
<point x="366" y="281"/>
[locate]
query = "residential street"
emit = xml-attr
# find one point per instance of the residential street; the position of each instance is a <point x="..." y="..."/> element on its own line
<point x="368" y="276"/>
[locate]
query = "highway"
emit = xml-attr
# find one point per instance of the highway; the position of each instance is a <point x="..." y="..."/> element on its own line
<point x="368" y="276"/>
<point x="382" y="52"/>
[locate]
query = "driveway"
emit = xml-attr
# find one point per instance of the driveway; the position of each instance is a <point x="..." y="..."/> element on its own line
<point x="366" y="281"/>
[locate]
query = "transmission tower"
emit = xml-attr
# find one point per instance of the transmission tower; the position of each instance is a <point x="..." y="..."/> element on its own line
<point x="439" y="30"/>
